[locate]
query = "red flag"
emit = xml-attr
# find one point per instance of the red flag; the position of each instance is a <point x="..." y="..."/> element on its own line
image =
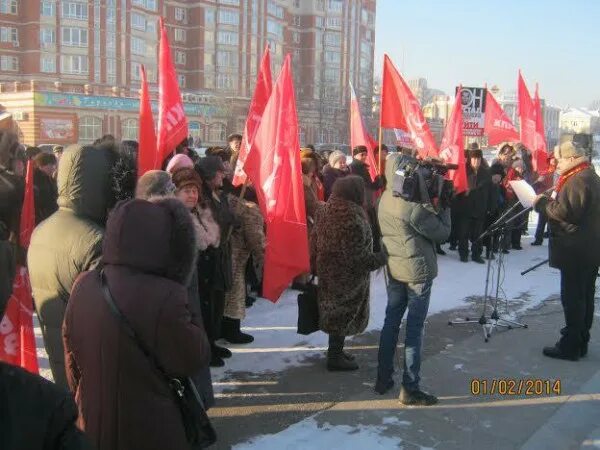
<point x="526" y="115"/>
<point x="172" y="122"/>
<point x="540" y="148"/>
<point x="17" y="341"/>
<point x="498" y="127"/>
<point x="262" y="92"/>
<point x="359" y="134"/>
<point x="400" y="109"/>
<point x="452" y="148"/>
<point x="147" y="155"/>
<point x="273" y="166"/>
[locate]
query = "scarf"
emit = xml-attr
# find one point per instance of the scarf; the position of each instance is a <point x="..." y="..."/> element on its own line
<point x="568" y="174"/>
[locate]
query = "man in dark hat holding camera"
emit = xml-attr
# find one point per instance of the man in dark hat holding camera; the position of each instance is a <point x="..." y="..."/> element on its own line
<point x="573" y="214"/>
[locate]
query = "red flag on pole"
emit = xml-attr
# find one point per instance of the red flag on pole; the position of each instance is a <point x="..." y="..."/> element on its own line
<point x="526" y="115"/>
<point x="497" y="127"/>
<point x="359" y="134"/>
<point x="17" y="340"/>
<point x="262" y="92"/>
<point x="273" y="166"/>
<point x="172" y="122"/>
<point x="148" y="158"/>
<point x="540" y="148"/>
<point x="400" y="109"/>
<point x="452" y="148"/>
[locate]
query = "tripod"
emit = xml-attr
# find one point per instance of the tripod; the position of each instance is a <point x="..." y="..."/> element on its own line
<point x="496" y="231"/>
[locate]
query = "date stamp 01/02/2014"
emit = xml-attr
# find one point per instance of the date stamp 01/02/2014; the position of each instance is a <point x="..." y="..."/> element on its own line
<point x="515" y="386"/>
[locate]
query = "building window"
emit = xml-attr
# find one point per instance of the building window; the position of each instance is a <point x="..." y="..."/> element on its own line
<point x="138" y="21"/>
<point x="225" y="81"/>
<point x="180" y="57"/>
<point x="296" y="3"/>
<point x="274" y="9"/>
<point x="9" y="63"/>
<point x="138" y="46"/>
<point x="90" y="128"/>
<point x="74" y="64"/>
<point x="335" y="5"/>
<point x="209" y="16"/>
<point x="146" y="4"/>
<point x="111" y="44"/>
<point x="111" y="14"/>
<point x="8" y="7"/>
<point x="74" y="10"/>
<point x="180" y="14"/>
<point x="333" y="57"/>
<point x="9" y="34"/>
<point x="332" y="76"/>
<point x="319" y="22"/>
<point x="217" y="133"/>
<point x="129" y="129"/>
<point x="229" y="17"/>
<point x="296" y="37"/>
<point x="181" y="80"/>
<point x="47" y="9"/>
<point x="48" y="64"/>
<point x="180" y="35"/>
<point x="297" y="21"/>
<point x="334" y="22"/>
<point x="227" y="38"/>
<point x="47" y="36"/>
<point x="75" y="37"/>
<point x="230" y="2"/>
<point x="227" y="59"/>
<point x="275" y="28"/>
<point x="333" y="39"/>
<point x="135" y="68"/>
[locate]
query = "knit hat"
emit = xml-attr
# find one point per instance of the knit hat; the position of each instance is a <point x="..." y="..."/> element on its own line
<point x="186" y="176"/>
<point x="178" y="162"/>
<point x="154" y="183"/>
<point x="358" y="150"/>
<point x="568" y="149"/>
<point x="208" y="167"/>
<point x="335" y="157"/>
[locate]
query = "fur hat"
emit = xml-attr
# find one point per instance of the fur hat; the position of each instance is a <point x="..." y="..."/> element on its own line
<point x="475" y="153"/>
<point x="208" y="167"/>
<point x="233" y="137"/>
<point x="335" y="157"/>
<point x="223" y="153"/>
<point x="350" y="188"/>
<point x="186" y="176"/>
<point x="358" y="150"/>
<point x="309" y="160"/>
<point x="178" y="162"/>
<point x="568" y="149"/>
<point x="154" y="183"/>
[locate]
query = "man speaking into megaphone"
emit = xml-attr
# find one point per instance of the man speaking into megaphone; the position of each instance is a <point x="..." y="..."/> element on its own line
<point x="573" y="213"/>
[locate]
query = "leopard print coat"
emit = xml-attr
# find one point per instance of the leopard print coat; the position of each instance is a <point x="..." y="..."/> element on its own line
<point x="343" y="245"/>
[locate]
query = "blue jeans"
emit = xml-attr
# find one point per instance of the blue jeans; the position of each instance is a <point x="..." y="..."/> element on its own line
<point x="415" y="297"/>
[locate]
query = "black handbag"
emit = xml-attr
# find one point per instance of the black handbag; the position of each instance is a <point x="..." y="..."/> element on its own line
<point x="198" y="428"/>
<point x="308" y="309"/>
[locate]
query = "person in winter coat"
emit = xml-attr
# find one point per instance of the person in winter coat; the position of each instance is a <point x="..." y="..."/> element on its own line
<point x="69" y="242"/>
<point x="44" y="186"/>
<point x="359" y="167"/>
<point x="335" y="169"/>
<point x="124" y="402"/>
<point x="12" y="190"/>
<point x="478" y="203"/>
<point x="410" y="231"/>
<point x="214" y="263"/>
<point x="574" y="220"/>
<point x="35" y="414"/>
<point x="155" y="184"/>
<point x="247" y="240"/>
<point x="343" y="248"/>
<point x="544" y="183"/>
<point x="515" y="173"/>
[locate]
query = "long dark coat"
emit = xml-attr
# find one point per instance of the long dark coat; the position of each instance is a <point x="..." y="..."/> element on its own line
<point x="343" y="245"/>
<point x="124" y="404"/>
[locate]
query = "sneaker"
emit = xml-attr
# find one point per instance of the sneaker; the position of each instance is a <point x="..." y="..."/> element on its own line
<point x="381" y="387"/>
<point x="478" y="259"/>
<point x="416" y="398"/>
<point x="536" y="243"/>
<point x="556" y="353"/>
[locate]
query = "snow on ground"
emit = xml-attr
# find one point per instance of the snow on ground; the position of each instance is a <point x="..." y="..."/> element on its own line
<point x="278" y="346"/>
<point x="309" y="434"/>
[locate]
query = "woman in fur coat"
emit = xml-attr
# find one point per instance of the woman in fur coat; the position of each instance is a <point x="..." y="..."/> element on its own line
<point x="342" y="245"/>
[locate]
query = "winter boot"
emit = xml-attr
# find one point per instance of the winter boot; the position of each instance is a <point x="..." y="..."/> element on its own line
<point x="219" y="351"/>
<point x="416" y="398"/>
<point x="336" y="361"/>
<point x="381" y="387"/>
<point x="232" y="333"/>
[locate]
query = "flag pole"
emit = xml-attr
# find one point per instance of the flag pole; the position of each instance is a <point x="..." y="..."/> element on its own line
<point x="380" y="129"/>
<point x="238" y="208"/>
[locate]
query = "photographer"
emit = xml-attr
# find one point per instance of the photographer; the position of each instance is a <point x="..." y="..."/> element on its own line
<point x="411" y="225"/>
<point x="574" y="218"/>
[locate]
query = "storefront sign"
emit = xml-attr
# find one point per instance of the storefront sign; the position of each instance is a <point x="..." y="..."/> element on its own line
<point x="57" y="129"/>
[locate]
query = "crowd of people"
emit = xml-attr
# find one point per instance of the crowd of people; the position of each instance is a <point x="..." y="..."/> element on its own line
<point x="177" y="255"/>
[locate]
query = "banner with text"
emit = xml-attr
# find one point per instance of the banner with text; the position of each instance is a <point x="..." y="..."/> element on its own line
<point x="473" y="104"/>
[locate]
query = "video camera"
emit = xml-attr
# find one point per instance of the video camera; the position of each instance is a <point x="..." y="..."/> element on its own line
<point x="413" y="173"/>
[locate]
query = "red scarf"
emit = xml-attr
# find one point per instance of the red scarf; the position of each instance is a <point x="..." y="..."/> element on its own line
<point x="574" y="171"/>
